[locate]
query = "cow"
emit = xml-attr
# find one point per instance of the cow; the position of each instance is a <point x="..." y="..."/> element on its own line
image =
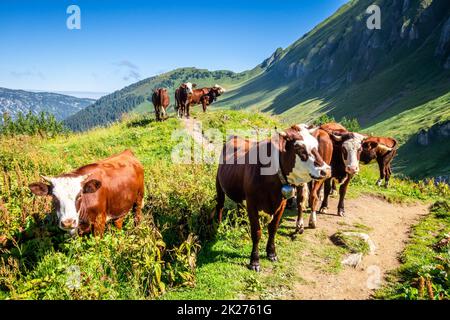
<point x="160" y="100"/>
<point x="341" y="149"/>
<point x="312" y="189"/>
<point x="86" y="198"/>
<point x="293" y="151"/>
<point x="203" y="96"/>
<point x="182" y="97"/>
<point x="382" y="149"/>
<point x="344" y="163"/>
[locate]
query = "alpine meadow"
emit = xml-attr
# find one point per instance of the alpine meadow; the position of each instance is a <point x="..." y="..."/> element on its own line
<point x="343" y="93"/>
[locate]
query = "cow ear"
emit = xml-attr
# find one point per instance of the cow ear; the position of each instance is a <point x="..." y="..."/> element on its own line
<point x="373" y="144"/>
<point x="92" y="186"/>
<point x="194" y="85"/>
<point x="282" y="136"/>
<point x="40" y="189"/>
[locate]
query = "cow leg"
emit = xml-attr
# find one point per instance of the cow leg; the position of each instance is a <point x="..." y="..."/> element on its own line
<point x="256" y="236"/>
<point x="137" y="208"/>
<point x="388" y="175"/>
<point x="381" y="166"/>
<point x="300" y="225"/>
<point x="99" y="224"/>
<point x="273" y="227"/>
<point x="204" y="105"/>
<point x="333" y="188"/>
<point x="119" y="222"/>
<point x="326" y="193"/>
<point x="157" y="113"/>
<point x="314" y="196"/>
<point x="342" y="192"/>
<point x="187" y="111"/>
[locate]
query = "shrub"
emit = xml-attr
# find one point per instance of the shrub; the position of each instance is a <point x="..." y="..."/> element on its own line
<point x="43" y="124"/>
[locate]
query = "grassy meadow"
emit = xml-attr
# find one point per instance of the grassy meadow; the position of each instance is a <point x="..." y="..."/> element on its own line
<point x="174" y="253"/>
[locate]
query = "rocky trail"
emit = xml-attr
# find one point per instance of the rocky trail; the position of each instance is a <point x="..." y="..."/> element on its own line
<point x="388" y="226"/>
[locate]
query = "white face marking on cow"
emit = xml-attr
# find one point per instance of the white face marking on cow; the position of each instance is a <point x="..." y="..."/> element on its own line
<point x="65" y="190"/>
<point x="305" y="171"/>
<point x="352" y="147"/>
<point x="189" y="87"/>
<point x="221" y="90"/>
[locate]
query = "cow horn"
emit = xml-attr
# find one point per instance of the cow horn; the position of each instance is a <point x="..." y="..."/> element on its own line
<point x="384" y="148"/>
<point x="335" y="137"/>
<point x="313" y="130"/>
<point x="48" y="179"/>
<point x="281" y="133"/>
<point x="84" y="178"/>
<point x="359" y="136"/>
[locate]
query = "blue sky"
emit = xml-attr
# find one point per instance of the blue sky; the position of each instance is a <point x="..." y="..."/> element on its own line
<point x="123" y="41"/>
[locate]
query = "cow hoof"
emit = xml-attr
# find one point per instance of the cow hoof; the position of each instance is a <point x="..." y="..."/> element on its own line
<point x="341" y="213"/>
<point x="312" y="225"/>
<point x="272" y="257"/>
<point x="300" y="230"/>
<point x="254" y="267"/>
<point x="323" y="210"/>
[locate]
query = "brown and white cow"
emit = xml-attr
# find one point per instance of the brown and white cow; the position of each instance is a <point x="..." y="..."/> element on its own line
<point x="293" y="151"/>
<point x="344" y="163"/>
<point x="325" y="149"/>
<point x="86" y="198"/>
<point x="160" y="100"/>
<point x="383" y="150"/>
<point x="182" y="97"/>
<point x="186" y="96"/>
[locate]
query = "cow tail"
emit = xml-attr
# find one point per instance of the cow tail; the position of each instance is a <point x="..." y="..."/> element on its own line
<point x="220" y="198"/>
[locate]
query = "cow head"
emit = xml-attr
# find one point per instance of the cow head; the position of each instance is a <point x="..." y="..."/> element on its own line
<point x="67" y="193"/>
<point x="369" y="151"/>
<point x="189" y="87"/>
<point x="308" y="163"/>
<point x="219" y="90"/>
<point x="351" y="150"/>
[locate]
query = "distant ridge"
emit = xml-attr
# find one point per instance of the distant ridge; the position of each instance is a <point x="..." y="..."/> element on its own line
<point x="61" y="106"/>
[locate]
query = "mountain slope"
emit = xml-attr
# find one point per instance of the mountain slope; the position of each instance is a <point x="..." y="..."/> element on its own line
<point x="62" y="106"/>
<point x="345" y="69"/>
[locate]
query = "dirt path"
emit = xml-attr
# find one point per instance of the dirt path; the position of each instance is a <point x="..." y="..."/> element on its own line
<point x="389" y="229"/>
<point x="388" y="226"/>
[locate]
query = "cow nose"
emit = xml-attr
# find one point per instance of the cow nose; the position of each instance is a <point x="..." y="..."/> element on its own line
<point x="352" y="170"/>
<point x="323" y="173"/>
<point x="68" y="223"/>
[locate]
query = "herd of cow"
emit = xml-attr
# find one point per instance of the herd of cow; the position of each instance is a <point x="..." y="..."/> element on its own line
<point x="185" y="96"/>
<point x="309" y="159"/>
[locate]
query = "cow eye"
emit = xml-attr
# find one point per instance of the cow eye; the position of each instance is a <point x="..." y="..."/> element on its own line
<point x="302" y="153"/>
<point x="344" y="153"/>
